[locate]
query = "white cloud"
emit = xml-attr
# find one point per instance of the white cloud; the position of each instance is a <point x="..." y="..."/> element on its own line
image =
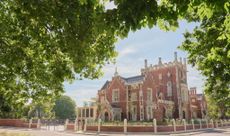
<point x="127" y="51"/>
<point x="195" y="79"/>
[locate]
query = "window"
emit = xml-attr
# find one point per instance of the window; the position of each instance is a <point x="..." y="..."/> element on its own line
<point x="102" y="99"/>
<point x="169" y="88"/>
<point x="149" y="113"/>
<point x="168" y="74"/>
<point x="134" y="96"/>
<point x="149" y="94"/>
<point x="160" y="76"/>
<point x="142" y="114"/>
<point x="115" y="95"/>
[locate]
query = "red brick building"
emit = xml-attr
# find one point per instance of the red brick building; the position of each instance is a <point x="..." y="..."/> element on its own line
<point x="160" y="91"/>
<point x="198" y="104"/>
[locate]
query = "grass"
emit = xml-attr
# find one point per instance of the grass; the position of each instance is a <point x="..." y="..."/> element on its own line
<point x="13" y="134"/>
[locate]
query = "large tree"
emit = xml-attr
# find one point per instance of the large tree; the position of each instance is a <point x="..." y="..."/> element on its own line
<point x="65" y="108"/>
<point x="43" y="43"/>
<point x="208" y="48"/>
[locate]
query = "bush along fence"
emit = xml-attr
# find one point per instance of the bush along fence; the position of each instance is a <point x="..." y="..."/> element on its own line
<point x="125" y="126"/>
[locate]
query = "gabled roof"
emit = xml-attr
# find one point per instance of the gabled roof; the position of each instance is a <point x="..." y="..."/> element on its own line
<point x="134" y="79"/>
<point x="129" y="80"/>
<point x="105" y="85"/>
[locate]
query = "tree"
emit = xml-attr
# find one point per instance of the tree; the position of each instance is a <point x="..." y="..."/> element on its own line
<point x="65" y="108"/>
<point x="44" y="43"/>
<point x="217" y="109"/>
<point x="208" y="47"/>
<point x="40" y="110"/>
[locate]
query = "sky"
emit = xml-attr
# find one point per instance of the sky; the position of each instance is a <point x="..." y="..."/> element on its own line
<point x="143" y="44"/>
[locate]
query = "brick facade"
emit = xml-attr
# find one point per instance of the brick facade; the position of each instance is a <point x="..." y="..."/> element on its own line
<point x="160" y="91"/>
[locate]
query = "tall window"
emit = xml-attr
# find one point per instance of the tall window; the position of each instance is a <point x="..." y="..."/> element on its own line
<point x="160" y="76"/>
<point x="149" y="94"/>
<point x="169" y="88"/>
<point x="102" y="99"/>
<point x="134" y="96"/>
<point x="115" y="95"/>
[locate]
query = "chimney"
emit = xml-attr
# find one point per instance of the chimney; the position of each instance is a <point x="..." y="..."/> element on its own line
<point x="180" y="60"/>
<point x="146" y="63"/>
<point x="175" y="56"/>
<point x="159" y="62"/>
<point x="185" y="62"/>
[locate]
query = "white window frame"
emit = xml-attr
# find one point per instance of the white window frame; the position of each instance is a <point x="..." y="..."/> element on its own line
<point x="149" y="96"/>
<point x="169" y="88"/>
<point x="133" y="96"/>
<point x="115" y="95"/>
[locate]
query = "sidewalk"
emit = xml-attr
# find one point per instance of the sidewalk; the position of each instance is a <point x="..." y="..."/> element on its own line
<point x="36" y="132"/>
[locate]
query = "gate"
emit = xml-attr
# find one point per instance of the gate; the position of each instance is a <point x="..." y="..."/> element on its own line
<point x="53" y="124"/>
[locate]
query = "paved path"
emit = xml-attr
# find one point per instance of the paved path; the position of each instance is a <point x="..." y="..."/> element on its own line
<point x="34" y="132"/>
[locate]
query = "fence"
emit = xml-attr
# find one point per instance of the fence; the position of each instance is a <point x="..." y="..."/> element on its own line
<point x="123" y="127"/>
<point x="20" y="123"/>
<point x="172" y="126"/>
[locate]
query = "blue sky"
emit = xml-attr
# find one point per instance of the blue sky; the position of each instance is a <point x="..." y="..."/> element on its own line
<point x="143" y="44"/>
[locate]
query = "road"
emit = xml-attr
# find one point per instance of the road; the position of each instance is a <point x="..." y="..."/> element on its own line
<point x="34" y="132"/>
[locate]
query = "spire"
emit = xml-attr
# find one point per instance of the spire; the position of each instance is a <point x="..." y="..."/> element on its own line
<point x="115" y="73"/>
<point x="175" y="56"/>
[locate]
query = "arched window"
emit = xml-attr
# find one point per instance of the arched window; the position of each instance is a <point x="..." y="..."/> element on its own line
<point x="169" y="88"/>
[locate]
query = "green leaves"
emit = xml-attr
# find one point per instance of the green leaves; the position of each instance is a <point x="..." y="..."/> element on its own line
<point x="65" y="108"/>
<point x="44" y="43"/>
<point x="208" y="47"/>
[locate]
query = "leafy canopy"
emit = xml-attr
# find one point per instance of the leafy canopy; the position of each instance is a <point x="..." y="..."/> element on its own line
<point x="44" y="43"/>
<point x="65" y="108"/>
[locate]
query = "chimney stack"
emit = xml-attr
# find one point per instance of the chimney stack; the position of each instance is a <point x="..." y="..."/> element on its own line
<point x="175" y="56"/>
<point x="146" y="63"/>
<point x="180" y="60"/>
<point x="185" y="62"/>
<point x="159" y="62"/>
